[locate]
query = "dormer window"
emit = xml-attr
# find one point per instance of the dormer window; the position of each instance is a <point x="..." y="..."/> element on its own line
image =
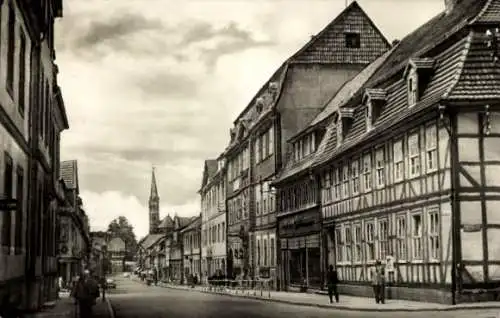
<point x="417" y="75"/>
<point x="375" y="100"/>
<point x="259" y="105"/>
<point x="344" y="121"/>
<point x="273" y="88"/>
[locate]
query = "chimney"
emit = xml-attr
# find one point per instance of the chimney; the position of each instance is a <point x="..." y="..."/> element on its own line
<point x="395" y="42"/>
<point x="450" y="5"/>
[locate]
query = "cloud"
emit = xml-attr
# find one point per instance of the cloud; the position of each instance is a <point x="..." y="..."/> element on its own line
<point x="102" y="208"/>
<point x="144" y="85"/>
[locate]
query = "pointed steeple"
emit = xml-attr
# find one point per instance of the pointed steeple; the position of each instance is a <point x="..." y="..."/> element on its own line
<point x="154" y="189"/>
<point x="154" y="205"/>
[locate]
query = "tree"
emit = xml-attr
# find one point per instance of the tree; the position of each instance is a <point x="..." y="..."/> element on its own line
<point x="120" y="227"/>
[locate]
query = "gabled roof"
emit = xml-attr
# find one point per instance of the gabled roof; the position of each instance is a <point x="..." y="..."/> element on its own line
<point x="195" y="223"/>
<point x="209" y="170"/>
<point x="315" y="51"/>
<point x="181" y="222"/>
<point x="167" y="222"/>
<point x="69" y="173"/>
<point x="150" y="240"/>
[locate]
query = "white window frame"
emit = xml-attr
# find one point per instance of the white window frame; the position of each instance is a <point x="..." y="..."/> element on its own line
<point x="370" y="241"/>
<point x="431" y="148"/>
<point x="414" y="155"/>
<point x="345" y="181"/>
<point x="380" y="167"/>
<point x="357" y="242"/>
<point x="355" y="176"/>
<point x="337" y="176"/>
<point x="348" y="243"/>
<point x="339" y="245"/>
<point x="401" y="237"/>
<point x="434" y="229"/>
<point x="416" y="237"/>
<point x="367" y="173"/>
<point x="398" y="155"/>
<point x="383" y="238"/>
<point x="271" y="140"/>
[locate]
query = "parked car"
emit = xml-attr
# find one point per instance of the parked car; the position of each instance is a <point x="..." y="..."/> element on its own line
<point x="110" y="283"/>
<point x="126" y="275"/>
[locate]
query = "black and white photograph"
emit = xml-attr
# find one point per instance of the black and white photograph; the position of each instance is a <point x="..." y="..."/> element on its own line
<point x="249" y="158"/>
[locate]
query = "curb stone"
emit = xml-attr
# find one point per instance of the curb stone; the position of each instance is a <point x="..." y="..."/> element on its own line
<point x="341" y="307"/>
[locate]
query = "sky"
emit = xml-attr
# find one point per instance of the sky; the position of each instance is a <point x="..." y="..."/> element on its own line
<point x="160" y="82"/>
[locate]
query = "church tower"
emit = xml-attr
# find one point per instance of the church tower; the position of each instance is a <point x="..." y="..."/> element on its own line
<point x="154" y="206"/>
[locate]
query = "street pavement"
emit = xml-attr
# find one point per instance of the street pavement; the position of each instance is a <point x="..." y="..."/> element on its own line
<point x="135" y="299"/>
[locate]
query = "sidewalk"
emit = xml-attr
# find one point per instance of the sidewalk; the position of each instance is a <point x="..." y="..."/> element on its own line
<point x="350" y="303"/>
<point x="66" y="308"/>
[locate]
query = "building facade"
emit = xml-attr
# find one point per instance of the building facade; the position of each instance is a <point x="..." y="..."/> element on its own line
<point x="286" y="104"/>
<point x="117" y="252"/>
<point x="74" y="237"/>
<point x="213" y="218"/>
<point x="406" y="168"/>
<point x="31" y="104"/>
<point x="191" y="237"/>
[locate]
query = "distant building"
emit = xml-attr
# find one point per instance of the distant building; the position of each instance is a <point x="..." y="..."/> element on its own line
<point x="191" y="248"/>
<point x="117" y="252"/>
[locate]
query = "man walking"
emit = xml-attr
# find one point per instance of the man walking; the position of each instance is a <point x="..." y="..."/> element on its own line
<point x="378" y="283"/>
<point x="332" y="280"/>
<point x="85" y="293"/>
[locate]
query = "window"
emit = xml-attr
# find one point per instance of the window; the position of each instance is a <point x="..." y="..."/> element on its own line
<point x="416" y="234"/>
<point x="434" y="229"/>
<point x="352" y="40"/>
<point x="348" y="244"/>
<point x="383" y="239"/>
<point x="370" y="241"/>
<point x="10" y="49"/>
<point x="22" y="73"/>
<point x="401" y="249"/>
<point x="337" y="182"/>
<point x="379" y="160"/>
<point x="20" y="210"/>
<point x="223" y="231"/>
<point x="367" y="173"/>
<point x="271" y="245"/>
<point x="398" y="160"/>
<point x="265" y="252"/>
<point x="6" y="214"/>
<point x="414" y="154"/>
<point x="412" y="89"/>
<point x="355" y="177"/>
<point x="357" y="243"/>
<point x="431" y="147"/>
<point x="258" y="252"/>
<point x="256" y="151"/>
<point x="271" y="140"/>
<point x="338" y="245"/>
<point x="346" y="181"/>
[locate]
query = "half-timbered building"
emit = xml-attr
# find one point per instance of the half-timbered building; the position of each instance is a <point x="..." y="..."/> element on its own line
<point x="299" y="215"/>
<point x="407" y="170"/>
<point x="286" y="103"/>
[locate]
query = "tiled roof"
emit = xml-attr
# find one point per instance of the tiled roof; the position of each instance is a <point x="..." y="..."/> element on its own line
<point x="167" y="222"/>
<point x="446" y="68"/>
<point x="195" y="222"/>
<point x="480" y="76"/>
<point x="69" y="173"/>
<point x="349" y="89"/>
<point x="184" y="221"/>
<point x="209" y="171"/>
<point x="328" y="46"/>
<point x="150" y="240"/>
<point x="490" y="13"/>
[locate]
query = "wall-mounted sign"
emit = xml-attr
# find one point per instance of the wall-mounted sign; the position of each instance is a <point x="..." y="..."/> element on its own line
<point x="468" y="228"/>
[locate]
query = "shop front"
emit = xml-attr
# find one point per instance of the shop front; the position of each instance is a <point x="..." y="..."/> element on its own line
<point x="301" y="250"/>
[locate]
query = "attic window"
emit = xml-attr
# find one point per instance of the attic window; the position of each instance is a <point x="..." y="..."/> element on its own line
<point x="352" y="40"/>
<point x="259" y="104"/>
<point x="375" y="100"/>
<point x="344" y="121"/>
<point x="417" y="75"/>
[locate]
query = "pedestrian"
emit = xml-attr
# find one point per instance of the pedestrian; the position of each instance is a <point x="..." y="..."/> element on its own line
<point x="332" y="280"/>
<point x="102" y="282"/>
<point x="378" y="282"/>
<point x="85" y="292"/>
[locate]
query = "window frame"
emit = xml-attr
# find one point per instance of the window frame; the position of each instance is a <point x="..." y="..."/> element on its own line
<point x="370" y="241"/>
<point x="401" y="237"/>
<point x="338" y="244"/>
<point x="380" y="168"/>
<point x="414" y="160"/>
<point x="367" y="173"/>
<point x="399" y="157"/>
<point x="383" y="238"/>
<point x="417" y="238"/>
<point x="431" y="142"/>
<point x="358" y="243"/>
<point x="434" y="237"/>
<point x="355" y="176"/>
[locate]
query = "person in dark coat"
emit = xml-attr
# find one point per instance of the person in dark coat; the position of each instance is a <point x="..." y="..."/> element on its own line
<point x="85" y="292"/>
<point x="378" y="282"/>
<point x="332" y="280"/>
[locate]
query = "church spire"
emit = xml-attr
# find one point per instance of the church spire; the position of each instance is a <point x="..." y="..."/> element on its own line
<point x="154" y="189"/>
<point x="154" y="205"/>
